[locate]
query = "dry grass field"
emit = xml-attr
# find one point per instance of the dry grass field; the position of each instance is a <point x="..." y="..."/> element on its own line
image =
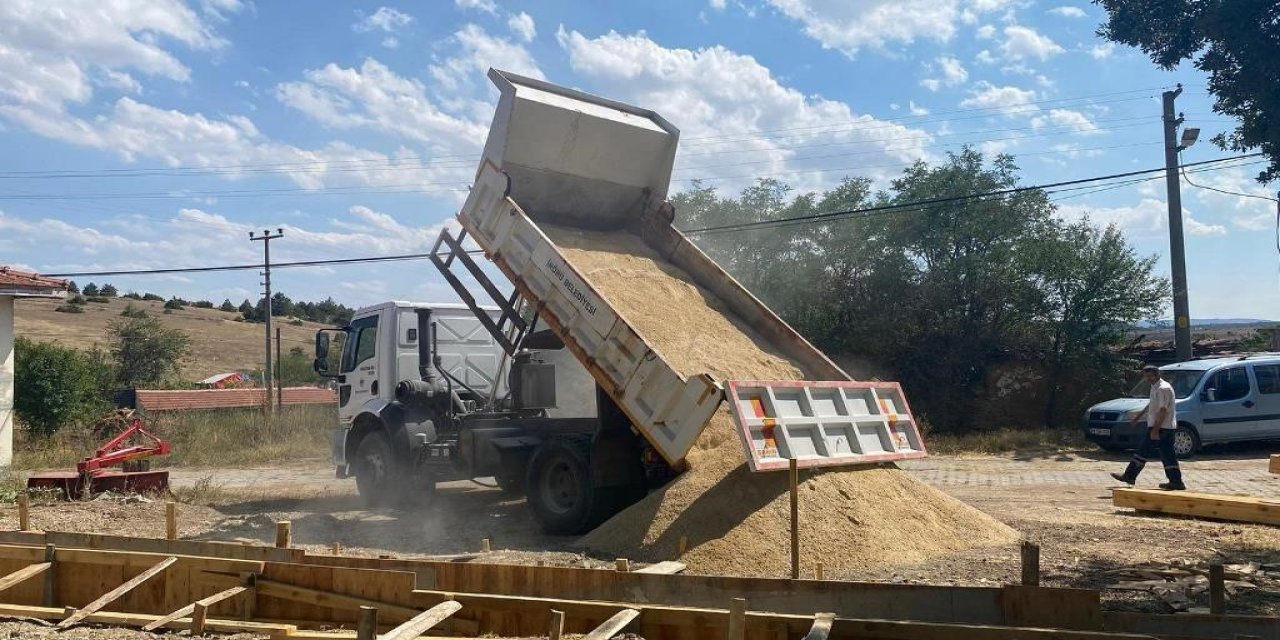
<point x="218" y="342"/>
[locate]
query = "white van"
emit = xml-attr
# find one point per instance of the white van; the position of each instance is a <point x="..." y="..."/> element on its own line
<point x="1218" y="400"/>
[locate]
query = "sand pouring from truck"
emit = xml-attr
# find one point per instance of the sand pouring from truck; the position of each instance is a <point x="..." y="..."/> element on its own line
<point x="435" y="392"/>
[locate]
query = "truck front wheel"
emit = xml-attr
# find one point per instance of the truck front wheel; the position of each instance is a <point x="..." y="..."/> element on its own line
<point x="378" y="473"/>
<point x="560" y="492"/>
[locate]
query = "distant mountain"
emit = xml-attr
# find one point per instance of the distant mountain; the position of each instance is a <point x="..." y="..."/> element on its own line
<point x="1201" y="322"/>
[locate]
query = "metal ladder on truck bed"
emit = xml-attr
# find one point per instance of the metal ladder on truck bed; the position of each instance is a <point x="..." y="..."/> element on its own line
<point x="511" y="327"/>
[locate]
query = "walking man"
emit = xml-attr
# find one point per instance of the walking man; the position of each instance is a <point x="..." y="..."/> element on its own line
<point x="1161" y="424"/>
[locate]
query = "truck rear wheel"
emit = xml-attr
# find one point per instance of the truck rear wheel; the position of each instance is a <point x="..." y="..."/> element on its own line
<point x="378" y="473"/>
<point x="560" y="490"/>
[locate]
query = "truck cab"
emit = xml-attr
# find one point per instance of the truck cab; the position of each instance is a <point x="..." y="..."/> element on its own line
<point x="382" y="347"/>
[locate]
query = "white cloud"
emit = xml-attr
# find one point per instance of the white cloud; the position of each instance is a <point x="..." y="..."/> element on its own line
<point x="390" y="42"/>
<point x="775" y="129"/>
<point x="718" y="5"/>
<point x="1197" y="228"/>
<point x="521" y="24"/>
<point x="1102" y="51"/>
<point x="49" y="51"/>
<point x="384" y="19"/>
<point x="487" y="6"/>
<point x="119" y="80"/>
<point x="985" y="32"/>
<point x="1257" y="213"/>
<point x="953" y="73"/>
<point x="1075" y="121"/>
<point x="986" y="57"/>
<point x="476" y="52"/>
<point x="851" y="25"/>
<point x="1024" y="42"/>
<point x="915" y="109"/>
<point x="376" y="98"/>
<point x="1069" y="12"/>
<point x="1150" y="216"/>
<point x="1008" y="99"/>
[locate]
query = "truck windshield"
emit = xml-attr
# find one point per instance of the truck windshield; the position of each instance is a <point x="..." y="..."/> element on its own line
<point x="1184" y="382"/>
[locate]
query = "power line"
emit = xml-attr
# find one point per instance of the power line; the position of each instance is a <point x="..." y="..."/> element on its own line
<point x="935" y="201"/>
<point x="1068" y="185"/>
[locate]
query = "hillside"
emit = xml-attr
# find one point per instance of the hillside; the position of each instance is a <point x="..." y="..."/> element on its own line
<point x="218" y="343"/>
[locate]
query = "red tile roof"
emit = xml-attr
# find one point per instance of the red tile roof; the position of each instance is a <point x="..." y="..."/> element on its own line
<point x="149" y="400"/>
<point x="13" y="279"/>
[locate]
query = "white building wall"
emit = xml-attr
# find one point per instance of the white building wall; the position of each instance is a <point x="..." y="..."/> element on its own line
<point x="6" y="380"/>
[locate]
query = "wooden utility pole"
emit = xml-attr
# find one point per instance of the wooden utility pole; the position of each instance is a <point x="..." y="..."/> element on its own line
<point x="269" y="369"/>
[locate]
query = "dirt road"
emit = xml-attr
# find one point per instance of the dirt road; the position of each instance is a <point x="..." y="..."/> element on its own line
<point x="1060" y="500"/>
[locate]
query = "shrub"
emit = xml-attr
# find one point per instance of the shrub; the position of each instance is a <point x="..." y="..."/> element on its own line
<point x="98" y="299"/>
<point x="132" y="295"/>
<point x="133" y="311"/>
<point x="202" y="304"/>
<point x="173" y="305"/>
<point x="151" y="297"/>
<point x="69" y="308"/>
<point x="296" y="322"/>
<point x="145" y="351"/>
<point x="76" y="299"/>
<point x="227" y="306"/>
<point x="56" y="385"/>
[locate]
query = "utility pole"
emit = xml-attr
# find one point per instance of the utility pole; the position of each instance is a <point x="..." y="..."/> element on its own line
<point x="279" y="374"/>
<point x="266" y="239"/>
<point x="1177" y="252"/>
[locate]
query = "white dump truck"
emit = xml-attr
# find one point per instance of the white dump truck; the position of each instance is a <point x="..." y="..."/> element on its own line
<point x="543" y="384"/>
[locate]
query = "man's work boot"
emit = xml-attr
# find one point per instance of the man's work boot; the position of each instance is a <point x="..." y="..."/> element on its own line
<point x="1120" y="477"/>
<point x="1169" y="486"/>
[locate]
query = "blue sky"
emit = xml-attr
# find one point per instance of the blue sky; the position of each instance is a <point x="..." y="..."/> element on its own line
<point x="155" y="134"/>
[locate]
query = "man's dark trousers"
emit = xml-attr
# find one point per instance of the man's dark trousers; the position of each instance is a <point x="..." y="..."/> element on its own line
<point x="1167" y="456"/>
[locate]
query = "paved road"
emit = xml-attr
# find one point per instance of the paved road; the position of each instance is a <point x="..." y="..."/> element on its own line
<point x="1246" y="475"/>
<point x="1236" y="475"/>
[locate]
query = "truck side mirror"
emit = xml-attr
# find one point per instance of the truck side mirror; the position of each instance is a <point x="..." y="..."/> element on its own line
<point x="321" y="364"/>
<point x="1211" y="395"/>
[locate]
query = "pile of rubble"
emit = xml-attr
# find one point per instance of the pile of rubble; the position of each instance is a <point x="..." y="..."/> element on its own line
<point x="1181" y="583"/>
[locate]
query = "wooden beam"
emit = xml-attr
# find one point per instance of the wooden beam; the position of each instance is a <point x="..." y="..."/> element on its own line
<point x="821" y="626"/>
<point x="24" y="512"/>
<point x="611" y="627"/>
<point x="1274" y="465"/>
<point x="793" y="478"/>
<point x="23" y="574"/>
<point x="139" y="619"/>
<point x="367" y="627"/>
<point x="187" y="610"/>
<point x="284" y="535"/>
<point x="307" y="595"/>
<point x="199" y="617"/>
<point x="666" y="568"/>
<point x="1030" y="564"/>
<point x="1201" y="505"/>
<point x="423" y="622"/>
<point x="1217" y="589"/>
<point x="114" y="594"/>
<point x="557" y="625"/>
<point x="171" y="520"/>
<point x="737" y="619"/>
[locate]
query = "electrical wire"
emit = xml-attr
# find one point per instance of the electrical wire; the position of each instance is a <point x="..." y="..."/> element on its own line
<point x="1069" y="185"/>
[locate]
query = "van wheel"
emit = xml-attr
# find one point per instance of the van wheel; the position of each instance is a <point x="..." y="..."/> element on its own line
<point x="1186" y="442"/>
<point x="378" y="473"/>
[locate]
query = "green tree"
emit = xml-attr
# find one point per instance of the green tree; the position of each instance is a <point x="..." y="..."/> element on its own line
<point x="227" y="306"/>
<point x="296" y="368"/>
<point x="1093" y="287"/>
<point x="247" y="311"/>
<point x="146" y="353"/>
<point x="1234" y="41"/>
<point x="72" y="287"/>
<point x="56" y="385"/>
<point x="174" y="304"/>
<point x="108" y="291"/>
<point x="90" y="290"/>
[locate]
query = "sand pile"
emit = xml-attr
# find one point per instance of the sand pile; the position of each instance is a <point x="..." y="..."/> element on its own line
<point x="737" y="522"/>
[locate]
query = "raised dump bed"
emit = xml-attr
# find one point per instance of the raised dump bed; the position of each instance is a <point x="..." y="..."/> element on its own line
<point x="558" y="158"/>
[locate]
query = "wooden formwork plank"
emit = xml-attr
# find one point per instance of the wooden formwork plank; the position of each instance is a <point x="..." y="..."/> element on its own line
<point x="1193" y="625"/>
<point x="114" y="594"/>
<point x="423" y="622"/>
<point x="668" y="567"/>
<point x="512" y="616"/>
<point x="1203" y="505"/>
<point x="821" y="626"/>
<point x="140" y="619"/>
<point x="23" y="574"/>
<point x="1274" y="465"/>
<point x="231" y="550"/>
<point x="187" y="610"/>
<point x="329" y="599"/>
<point x="613" y="626"/>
